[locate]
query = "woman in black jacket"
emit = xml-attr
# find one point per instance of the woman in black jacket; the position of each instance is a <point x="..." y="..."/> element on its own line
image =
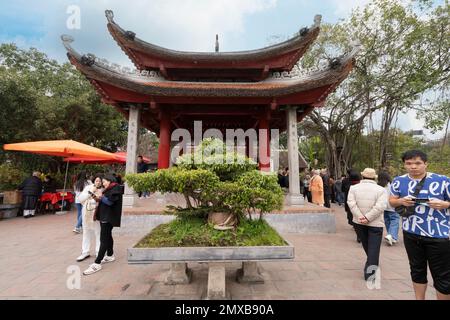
<point x="109" y="213"/>
<point x="31" y="191"/>
<point x="354" y="177"/>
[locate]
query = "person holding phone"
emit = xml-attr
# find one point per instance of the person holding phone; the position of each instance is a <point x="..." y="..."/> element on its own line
<point x="90" y="227"/>
<point x="109" y="213"/>
<point x="426" y="227"/>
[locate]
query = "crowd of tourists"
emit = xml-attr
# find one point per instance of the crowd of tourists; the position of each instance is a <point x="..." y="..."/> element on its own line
<point x="420" y="200"/>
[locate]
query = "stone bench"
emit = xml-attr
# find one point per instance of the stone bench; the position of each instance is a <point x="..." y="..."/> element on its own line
<point x="216" y="257"/>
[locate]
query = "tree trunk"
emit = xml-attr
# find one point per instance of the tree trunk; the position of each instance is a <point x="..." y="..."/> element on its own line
<point x="444" y="141"/>
<point x="388" y="117"/>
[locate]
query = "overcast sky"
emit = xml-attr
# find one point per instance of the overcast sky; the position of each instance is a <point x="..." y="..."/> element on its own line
<point x="189" y="25"/>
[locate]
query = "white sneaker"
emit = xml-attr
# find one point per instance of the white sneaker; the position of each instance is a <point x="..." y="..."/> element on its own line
<point x="77" y="230"/>
<point x="93" y="268"/>
<point x="389" y="239"/>
<point x="83" y="256"/>
<point x="107" y="259"/>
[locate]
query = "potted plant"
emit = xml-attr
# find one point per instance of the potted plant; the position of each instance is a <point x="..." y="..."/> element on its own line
<point x="226" y="197"/>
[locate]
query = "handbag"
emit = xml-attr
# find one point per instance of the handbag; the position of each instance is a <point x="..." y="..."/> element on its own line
<point x="409" y="211"/>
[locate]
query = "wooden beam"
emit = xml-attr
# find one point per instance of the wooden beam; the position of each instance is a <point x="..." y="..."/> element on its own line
<point x="274" y="104"/>
<point x="163" y="71"/>
<point x="265" y="72"/>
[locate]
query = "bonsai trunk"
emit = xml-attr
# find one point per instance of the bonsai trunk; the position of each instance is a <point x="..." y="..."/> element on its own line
<point x="222" y="220"/>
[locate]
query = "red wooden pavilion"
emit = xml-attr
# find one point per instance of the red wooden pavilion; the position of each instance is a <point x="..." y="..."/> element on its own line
<point x="261" y="89"/>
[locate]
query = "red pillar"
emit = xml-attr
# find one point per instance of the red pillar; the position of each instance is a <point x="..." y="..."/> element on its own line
<point x="264" y="144"/>
<point x="164" y="142"/>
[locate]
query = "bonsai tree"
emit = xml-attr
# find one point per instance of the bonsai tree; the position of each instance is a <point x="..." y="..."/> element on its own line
<point x="217" y="183"/>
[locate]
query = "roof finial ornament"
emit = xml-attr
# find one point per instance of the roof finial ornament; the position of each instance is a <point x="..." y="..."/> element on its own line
<point x="304" y="31"/>
<point x="67" y="40"/>
<point x="109" y="15"/>
<point x="335" y="63"/>
<point x="130" y="35"/>
<point x="88" y="59"/>
<point x="317" y="20"/>
<point x="217" y="43"/>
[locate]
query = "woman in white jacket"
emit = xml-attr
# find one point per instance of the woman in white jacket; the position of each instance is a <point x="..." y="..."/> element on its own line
<point x="90" y="227"/>
<point x="367" y="201"/>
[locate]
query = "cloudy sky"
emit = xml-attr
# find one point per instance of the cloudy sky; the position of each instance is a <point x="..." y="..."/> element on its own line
<point x="189" y="25"/>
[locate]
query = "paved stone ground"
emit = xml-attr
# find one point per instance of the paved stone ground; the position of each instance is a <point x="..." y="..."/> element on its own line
<point x="35" y="255"/>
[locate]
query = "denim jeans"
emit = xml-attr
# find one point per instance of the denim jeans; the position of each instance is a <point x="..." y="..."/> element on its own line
<point x="79" y="216"/>
<point x="340" y="197"/>
<point x="392" y="222"/>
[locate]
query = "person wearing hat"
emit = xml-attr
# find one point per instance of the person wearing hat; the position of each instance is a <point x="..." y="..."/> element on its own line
<point x="367" y="202"/>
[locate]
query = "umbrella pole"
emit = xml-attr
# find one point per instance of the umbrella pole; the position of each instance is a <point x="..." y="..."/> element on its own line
<point x="65" y="180"/>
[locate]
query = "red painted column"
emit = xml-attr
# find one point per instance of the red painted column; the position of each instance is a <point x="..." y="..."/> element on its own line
<point x="264" y="144"/>
<point x="164" y="141"/>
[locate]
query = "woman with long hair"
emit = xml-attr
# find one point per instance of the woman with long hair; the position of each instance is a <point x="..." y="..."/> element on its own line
<point x="109" y="213"/>
<point x="90" y="226"/>
<point x="79" y="186"/>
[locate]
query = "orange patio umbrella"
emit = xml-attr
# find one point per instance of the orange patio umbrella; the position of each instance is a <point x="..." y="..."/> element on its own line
<point x="61" y="148"/>
<point x="120" y="157"/>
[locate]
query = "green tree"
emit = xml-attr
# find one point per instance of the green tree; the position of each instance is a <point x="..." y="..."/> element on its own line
<point x="404" y="54"/>
<point x="44" y="100"/>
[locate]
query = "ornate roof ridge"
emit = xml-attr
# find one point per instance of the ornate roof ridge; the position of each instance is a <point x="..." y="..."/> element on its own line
<point x="131" y="36"/>
<point x="90" y="59"/>
<point x="295" y="75"/>
<point x="324" y="65"/>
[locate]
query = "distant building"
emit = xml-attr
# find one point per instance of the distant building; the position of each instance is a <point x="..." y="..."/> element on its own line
<point x="284" y="160"/>
<point x="415" y="133"/>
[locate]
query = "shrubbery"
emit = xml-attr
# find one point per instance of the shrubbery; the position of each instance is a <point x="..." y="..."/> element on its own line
<point x="10" y="177"/>
<point x="214" y="186"/>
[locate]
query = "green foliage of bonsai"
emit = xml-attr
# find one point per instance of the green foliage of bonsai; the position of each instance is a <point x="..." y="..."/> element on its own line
<point x="213" y="155"/>
<point x="221" y="182"/>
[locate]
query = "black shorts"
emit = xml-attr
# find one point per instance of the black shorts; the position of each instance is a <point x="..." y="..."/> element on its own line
<point x="435" y="253"/>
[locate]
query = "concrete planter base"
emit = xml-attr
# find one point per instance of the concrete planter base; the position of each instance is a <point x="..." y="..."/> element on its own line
<point x="179" y="273"/>
<point x="216" y="257"/>
<point x="249" y="273"/>
<point x="8" y="211"/>
<point x="216" y="282"/>
<point x="209" y="254"/>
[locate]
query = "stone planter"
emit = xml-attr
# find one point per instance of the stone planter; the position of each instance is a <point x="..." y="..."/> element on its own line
<point x="12" y="197"/>
<point x="8" y="211"/>
<point x="209" y="254"/>
<point x="216" y="257"/>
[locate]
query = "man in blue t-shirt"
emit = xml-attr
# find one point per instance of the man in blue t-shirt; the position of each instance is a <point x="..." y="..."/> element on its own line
<point x="426" y="227"/>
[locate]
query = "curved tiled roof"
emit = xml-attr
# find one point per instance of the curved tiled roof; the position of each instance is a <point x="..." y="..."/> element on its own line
<point x="152" y="84"/>
<point x="290" y="51"/>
